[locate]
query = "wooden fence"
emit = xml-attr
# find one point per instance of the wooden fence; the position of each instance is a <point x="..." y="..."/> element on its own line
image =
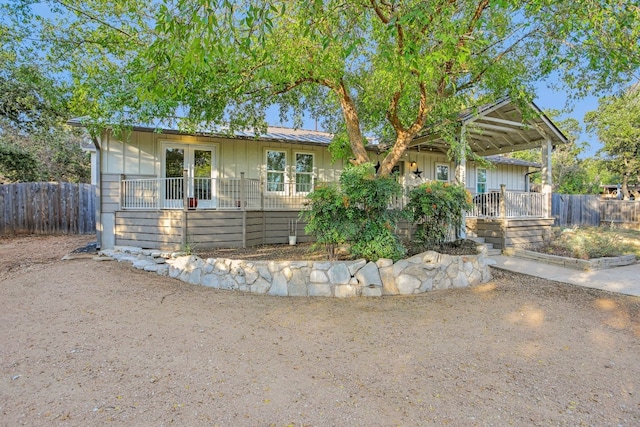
<point x="47" y="208"/>
<point x="592" y="210"/>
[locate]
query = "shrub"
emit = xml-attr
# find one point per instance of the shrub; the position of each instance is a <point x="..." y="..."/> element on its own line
<point x="436" y="208"/>
<point x="327" y="217"/>
<point x="357" y="212"/>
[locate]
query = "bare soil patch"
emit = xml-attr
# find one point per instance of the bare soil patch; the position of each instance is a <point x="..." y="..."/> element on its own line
<point x="93" y="343"/>
<point x="309" y="252"/>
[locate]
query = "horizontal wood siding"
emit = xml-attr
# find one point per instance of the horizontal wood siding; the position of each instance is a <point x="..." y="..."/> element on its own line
<point x="215" y="229"/>
<point x="276" y="227"/>
<point x="519" y="232"/>
<point x="255" y="228"/>
<point x="149" y="229"/>
<point x="110" y="194"/>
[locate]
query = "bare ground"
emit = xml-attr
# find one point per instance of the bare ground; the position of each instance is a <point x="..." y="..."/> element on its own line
<point x="94" y="343"/>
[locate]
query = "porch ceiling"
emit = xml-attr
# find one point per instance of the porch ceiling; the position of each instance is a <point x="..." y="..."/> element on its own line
<point x="498" y="128"/>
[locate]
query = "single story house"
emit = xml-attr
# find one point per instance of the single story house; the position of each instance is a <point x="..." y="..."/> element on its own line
<point x="160" y="188"/>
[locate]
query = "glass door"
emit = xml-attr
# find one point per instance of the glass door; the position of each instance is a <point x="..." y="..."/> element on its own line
<point x="199" y="161"/>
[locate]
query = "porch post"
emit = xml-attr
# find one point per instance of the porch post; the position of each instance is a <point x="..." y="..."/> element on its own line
<point x="504" y="225"/>
<point x="185" y="205"/>
<point x="243" y="207"/>
<point x="547" y="179"/>
<point x="461" y="178"/>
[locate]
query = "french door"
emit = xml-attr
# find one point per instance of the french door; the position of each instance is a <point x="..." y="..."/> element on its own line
<point x="199" y="161"/>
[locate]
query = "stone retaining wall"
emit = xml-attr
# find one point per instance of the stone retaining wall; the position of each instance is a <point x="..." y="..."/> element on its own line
<point x="418" y="274"/>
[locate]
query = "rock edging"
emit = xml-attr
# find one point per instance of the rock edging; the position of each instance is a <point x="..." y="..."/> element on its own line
<point x="576" y="264"/>
<point x="342" y="279"/>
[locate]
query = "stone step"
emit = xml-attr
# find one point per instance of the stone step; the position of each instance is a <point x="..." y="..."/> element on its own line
<point x="494" y="252"/>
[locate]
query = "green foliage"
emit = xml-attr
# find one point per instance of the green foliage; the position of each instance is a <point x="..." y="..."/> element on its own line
<point x="375" y="222"/>
<point x="18" y="165"/>
<point x="436" y="208"/>
<point x="327" y="217"/>
<point x="356" y="212"/>
<point x="392" y="69"/>
<point x="617" y="124"/>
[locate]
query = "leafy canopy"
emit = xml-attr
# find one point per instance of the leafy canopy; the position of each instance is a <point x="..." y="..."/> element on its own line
<point x="617" y="124"/>
<point x="393" y="69"/>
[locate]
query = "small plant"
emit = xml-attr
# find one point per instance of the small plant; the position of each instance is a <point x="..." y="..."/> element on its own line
<point x="189" y="246"/>
<point x="436" y="209"/>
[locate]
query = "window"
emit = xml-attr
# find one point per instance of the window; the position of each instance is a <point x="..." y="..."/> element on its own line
<point x="276" y="163"/>
<point x="304" y="172"/>
<point x="481" y="181"/>
<point x="442" y="173"/>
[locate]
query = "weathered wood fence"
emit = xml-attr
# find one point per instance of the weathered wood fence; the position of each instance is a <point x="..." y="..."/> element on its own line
<point x="47" y="208"/>
<point x="592" y="210"/>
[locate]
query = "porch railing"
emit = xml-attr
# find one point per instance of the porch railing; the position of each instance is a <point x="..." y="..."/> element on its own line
<point x="212" y="193"/>
<point x="510" y="204"/>
<point x="255" y="194"/>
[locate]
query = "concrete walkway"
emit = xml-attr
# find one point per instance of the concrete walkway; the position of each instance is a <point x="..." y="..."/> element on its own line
<point x="624" y="280"/>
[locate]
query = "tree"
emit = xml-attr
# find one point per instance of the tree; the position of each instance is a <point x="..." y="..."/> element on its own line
<point x="36" y="144"/>
<point x="391" y="69"/>
<point x="617" y="124"/>
<point x="569" y="173"/>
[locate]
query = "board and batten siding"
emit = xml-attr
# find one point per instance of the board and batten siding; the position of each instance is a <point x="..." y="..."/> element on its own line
<point x="141" y="155"/>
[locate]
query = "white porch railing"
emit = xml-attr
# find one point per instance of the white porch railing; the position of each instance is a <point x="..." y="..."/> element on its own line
<point x="510" y="204"/>
<point x="254" y="194"/>
<point x="211" y="193"/>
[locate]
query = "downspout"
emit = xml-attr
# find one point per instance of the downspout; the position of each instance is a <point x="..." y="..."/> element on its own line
<point x="527" y="186"/>
<point x="98" y="200"/>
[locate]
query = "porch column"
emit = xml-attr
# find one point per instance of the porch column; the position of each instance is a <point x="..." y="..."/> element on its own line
<point x="461" y="177"/>
<point x="547" y="179"/>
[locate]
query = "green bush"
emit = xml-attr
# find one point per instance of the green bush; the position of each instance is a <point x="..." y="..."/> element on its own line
<point x="357" y="212"/>
<point x="328" y="217"/>
<point x="436" y="208"/>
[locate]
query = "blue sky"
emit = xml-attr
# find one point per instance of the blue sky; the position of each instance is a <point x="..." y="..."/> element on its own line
<point x="549" y="99"/>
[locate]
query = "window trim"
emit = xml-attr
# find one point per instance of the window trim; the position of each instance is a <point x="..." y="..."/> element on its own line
<point x="295" y="171"/>
<point x="283" y="172"/>
<point x="448" y="172"/>
<point x="478" y="182"/>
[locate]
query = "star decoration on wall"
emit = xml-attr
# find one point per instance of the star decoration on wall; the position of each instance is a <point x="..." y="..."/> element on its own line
<point x="417" y="173"/>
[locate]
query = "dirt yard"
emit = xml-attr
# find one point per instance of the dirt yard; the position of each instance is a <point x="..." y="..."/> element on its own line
<point x="97" y="343"/>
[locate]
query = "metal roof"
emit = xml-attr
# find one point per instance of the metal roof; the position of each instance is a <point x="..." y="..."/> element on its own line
<point x="511" y="161"/>
<point x="492" y="129"/>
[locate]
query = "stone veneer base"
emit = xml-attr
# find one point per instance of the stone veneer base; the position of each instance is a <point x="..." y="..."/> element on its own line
<point x="342" y="279"/>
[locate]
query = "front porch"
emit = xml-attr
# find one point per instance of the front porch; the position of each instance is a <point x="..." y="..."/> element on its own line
<point x="226" y="212"/>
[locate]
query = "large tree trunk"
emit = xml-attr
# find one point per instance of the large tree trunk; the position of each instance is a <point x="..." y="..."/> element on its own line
<point x="352" y="121"/>
<point x="394" y="156"/>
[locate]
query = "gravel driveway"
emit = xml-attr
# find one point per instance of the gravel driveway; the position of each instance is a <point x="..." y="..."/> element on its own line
<point x="92" y="343"/>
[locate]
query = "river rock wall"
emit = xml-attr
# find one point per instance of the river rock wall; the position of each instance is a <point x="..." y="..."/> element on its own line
<point x="342" y="279"/>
